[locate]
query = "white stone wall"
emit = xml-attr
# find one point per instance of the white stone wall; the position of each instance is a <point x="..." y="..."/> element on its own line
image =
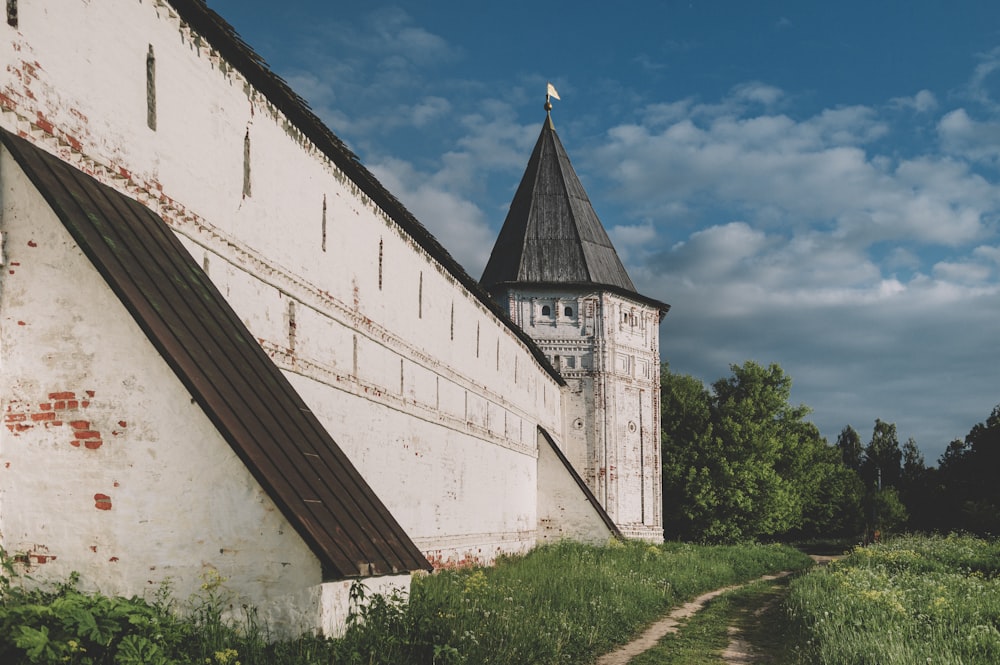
<point x="412" y="374"/>
<point x="107" y="466"/>
<point x="607" y="348"/>
<point x="564" y="511"/>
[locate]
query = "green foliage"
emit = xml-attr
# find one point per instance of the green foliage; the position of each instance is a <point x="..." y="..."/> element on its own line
<point x="564" y="603"/>
<point x="967" y="493"/>
<point x="66" y="625"/>
<point x="883" y="457"/>
<point x="908" y="600"/>
<point x="741" y="463"/>
<point x="851" y="450"/>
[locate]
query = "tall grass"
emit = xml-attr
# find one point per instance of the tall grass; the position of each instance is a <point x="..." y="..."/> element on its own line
<point x="912" y="600"/>
<point x="565" y="603"/>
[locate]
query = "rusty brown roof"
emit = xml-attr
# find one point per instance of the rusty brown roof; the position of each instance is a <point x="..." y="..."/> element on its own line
<point x="240" y="389"/>
<point x="552" y="236"/>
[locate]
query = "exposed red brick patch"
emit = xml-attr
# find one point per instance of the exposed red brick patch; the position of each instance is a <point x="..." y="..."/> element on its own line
<point x="64" y="404"/>
<point x="102" y="501"/>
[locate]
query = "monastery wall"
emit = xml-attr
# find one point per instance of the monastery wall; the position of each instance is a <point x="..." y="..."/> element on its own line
<point x="433" y="398"/>
<point x="109" y="467"/>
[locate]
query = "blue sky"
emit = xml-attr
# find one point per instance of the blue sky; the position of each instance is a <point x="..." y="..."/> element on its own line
<point x="812" y="184"/>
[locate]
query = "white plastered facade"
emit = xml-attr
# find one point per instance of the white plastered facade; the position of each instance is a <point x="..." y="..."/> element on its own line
<point x="433" y="398"/>
<point x="606" y="346"/>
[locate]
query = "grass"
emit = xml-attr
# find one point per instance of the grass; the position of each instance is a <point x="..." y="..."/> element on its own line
<point x="565" y="603"/>
<point x="910" y="600"/>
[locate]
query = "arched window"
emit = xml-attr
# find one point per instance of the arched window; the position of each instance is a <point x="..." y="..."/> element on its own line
<point x="546" y="310"/>
<point x="568" y="311"/>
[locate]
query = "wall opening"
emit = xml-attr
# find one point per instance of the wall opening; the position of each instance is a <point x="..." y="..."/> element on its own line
<point x="12" y="13"/>
<point x="246" y="164"/>
<point x="452" y="321"/>
<point x="354" y="360"/>
<point x="291" y="326"/>
<point x="323" y="226"/>
<point x="150" y="87"/>
<point x="380" y="250"/>
<point x="546" y="310"/>
<point x="477" y="339"/>
<point x="420" y="296"/>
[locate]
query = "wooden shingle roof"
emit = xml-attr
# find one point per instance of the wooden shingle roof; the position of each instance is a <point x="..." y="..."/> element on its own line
<point x="244" y="394"/>
<point x="552" y="235"/>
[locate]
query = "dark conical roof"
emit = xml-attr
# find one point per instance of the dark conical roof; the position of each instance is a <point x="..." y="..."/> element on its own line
<point x="552" y="234"/>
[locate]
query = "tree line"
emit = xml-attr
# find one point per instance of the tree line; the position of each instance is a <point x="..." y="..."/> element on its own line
<point x="742" y="463"/>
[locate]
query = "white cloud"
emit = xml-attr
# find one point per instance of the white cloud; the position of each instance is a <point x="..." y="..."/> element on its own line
<point x="758" y="93"/>
<point x="797" y="173"/>
<point x="988" y="253"/>
<point x="961" y="135"/>
<point x="922" y="102"/>
<point x="632" y="235"/>
<point x="448" y="216"/>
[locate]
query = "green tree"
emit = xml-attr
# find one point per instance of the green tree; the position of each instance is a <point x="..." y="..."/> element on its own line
<point x="740" y="462"/>
<point x="913" y="463"/>
<point x="881" y="466"/>
<point x="686" y="441"/>
<point x="851" y="451"/>
<point x="918" y="489"/>
<point x="968" y="478"/>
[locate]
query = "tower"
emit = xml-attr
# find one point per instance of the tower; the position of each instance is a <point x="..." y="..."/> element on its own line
<point x="556" y="272"/>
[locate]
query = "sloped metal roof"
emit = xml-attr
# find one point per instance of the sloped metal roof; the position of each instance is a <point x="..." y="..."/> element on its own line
<point x="242" y="391"/>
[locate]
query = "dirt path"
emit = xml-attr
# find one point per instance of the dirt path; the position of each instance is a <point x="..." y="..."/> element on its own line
<point x="739" y="651"/>
<point x="667" y="625"/>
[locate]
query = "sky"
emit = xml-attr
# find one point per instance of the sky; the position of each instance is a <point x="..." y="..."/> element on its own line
<point x="813" y="184"/>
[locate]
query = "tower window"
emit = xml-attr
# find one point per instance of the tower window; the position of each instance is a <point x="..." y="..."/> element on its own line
<point x="546" y="310"/>
<point x="568" y="311"/>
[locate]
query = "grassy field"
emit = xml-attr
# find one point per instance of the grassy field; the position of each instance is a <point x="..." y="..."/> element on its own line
<point x="910" y="600"/>
<point x="566" y="603"/>
<point x="562" y="604"/>
<point x="907" y="601"/>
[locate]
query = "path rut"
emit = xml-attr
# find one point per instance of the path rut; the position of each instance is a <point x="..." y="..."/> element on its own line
<point x="669" y="624"/>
